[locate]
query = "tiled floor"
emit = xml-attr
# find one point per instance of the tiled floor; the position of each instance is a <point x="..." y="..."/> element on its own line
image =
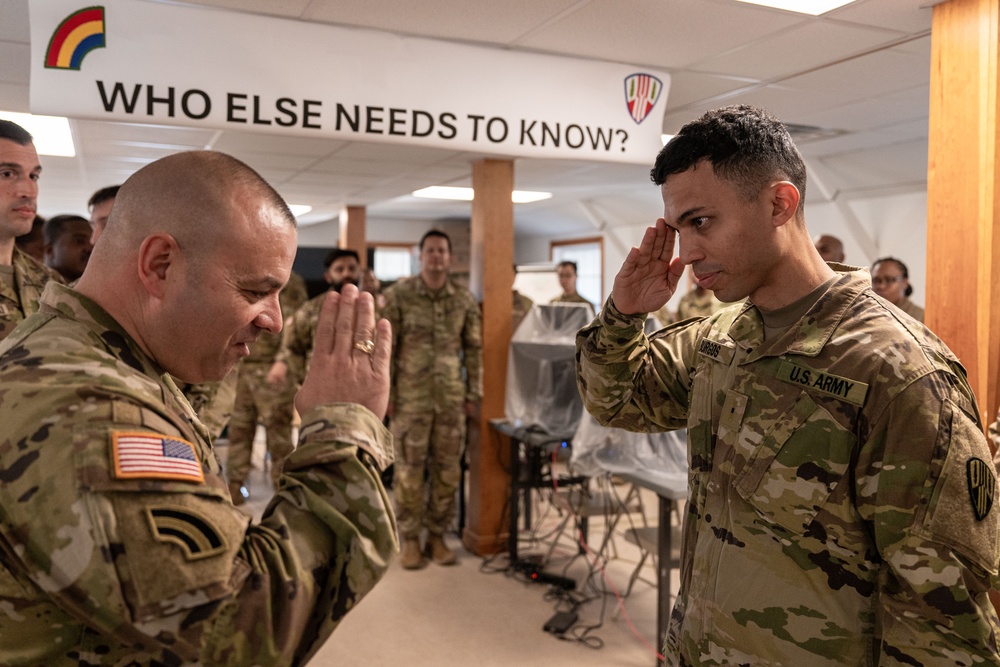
<point x="478" y="612"/>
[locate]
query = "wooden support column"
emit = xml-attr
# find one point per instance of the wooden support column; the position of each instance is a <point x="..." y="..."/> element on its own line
<point x="963" y="236"/>
<point x="352" y="232"/>
<point x="491" y="266"/>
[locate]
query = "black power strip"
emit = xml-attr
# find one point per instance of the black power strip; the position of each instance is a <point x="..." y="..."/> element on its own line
<point x="534" y="572"/>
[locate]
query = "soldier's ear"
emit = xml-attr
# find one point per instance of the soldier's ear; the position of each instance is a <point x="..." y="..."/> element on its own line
<point x="784" y="202"/>
<point x="158" y="256"/>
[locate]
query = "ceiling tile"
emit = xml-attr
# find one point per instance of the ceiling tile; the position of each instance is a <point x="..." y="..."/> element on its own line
<point x="813" y="43"/>
<point x="663" y="33"/>
<point x="911" y="16"/>
<point x="466" y="20"/>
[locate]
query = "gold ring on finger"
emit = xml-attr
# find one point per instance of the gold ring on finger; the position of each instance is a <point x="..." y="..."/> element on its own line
<point x="366" y="346"/>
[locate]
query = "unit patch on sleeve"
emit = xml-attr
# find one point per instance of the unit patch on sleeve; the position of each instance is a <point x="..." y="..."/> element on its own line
<point x="144" y="455"/>
<point x="982" y="483"/>
<point x="193" y="533"/>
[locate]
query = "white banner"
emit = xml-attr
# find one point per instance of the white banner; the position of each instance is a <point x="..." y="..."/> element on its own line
<point x="136" y="61"/>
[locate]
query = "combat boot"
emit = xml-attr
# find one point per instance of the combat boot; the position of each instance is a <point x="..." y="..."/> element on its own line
<point x="411" y="558"/>
<point x="439" y="551"/>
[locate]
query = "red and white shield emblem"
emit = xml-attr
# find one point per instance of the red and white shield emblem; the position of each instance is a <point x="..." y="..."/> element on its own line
<point x="641" y="93"/>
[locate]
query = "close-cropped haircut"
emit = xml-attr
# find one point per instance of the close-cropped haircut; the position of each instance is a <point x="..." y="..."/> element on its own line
<point x="14" y="132"/>
<point x="336" y="254"/>
<point x="55" y="226"/>
<point x="435" y="232"/>
<point x="102" y="195"/>
<point x="745" y="145"/>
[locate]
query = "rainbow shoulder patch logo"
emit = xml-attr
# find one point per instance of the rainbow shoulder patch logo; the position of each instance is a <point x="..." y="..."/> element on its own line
<point x="641" y="93"/>
<point x="78" y="34"/>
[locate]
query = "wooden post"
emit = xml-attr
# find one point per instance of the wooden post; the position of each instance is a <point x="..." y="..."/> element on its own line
<point x="963" y="239"/>
<point x="352" y="232"/>
<point x="491" y="268"/>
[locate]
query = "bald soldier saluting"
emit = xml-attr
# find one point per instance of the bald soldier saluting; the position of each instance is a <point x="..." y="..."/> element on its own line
<point x="119" y="543"/>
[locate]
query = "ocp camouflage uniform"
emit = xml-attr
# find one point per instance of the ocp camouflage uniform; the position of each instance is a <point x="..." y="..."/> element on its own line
<point x="297" y="339"/>
<point x="571" y="298"/>
<point x="693" y="304"/>
<point x="435" y="337"/>
<point x="212" y="401"/>
<point x="110" y="560"/>
<point x="256" y="398"/>
<point x="20" y="300"/>
<point x="840" y="484"/>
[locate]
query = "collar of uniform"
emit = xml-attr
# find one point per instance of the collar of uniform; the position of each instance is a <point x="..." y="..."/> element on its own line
<point x="810" y="334"/>
<point x="70" y="303"/>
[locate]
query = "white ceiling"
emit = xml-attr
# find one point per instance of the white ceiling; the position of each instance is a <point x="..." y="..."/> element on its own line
<point x="860" y="73"/>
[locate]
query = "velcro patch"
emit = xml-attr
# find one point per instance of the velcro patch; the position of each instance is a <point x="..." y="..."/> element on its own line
<point x="714" y="349"/>
<point x="982" y="484"/>
<point x="192" y="532"/>
<point x="145" y="455"/>
<point x="843" y="388"/>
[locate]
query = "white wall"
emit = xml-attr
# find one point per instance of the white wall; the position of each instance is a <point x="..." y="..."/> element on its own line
<point x="890" y="225"/>
<point x="875" y="227"/>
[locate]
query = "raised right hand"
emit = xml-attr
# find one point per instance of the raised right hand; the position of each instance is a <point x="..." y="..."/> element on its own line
<point x="650" y="274"/>
<point x="340" y="371"/>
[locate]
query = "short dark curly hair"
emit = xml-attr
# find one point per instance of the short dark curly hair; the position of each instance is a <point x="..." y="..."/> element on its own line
<point x="746" y="146"/>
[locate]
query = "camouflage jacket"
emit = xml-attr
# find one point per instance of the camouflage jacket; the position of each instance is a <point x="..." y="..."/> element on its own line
<point x="693" y="304"/>
<point x="292" y="296"/>
<point x="30" y="276"/>
<point x="118" y="541"/>
<point x="435" y="337"/>
<point x="297" y="338"/>
<point x="571" y="298"/>
<point x="840" y="508"/>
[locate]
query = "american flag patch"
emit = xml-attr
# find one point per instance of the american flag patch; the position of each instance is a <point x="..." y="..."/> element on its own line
<point x="154" y="456"/>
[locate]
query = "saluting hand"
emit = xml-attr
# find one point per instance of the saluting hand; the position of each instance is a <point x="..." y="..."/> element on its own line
<point x="650" y="274"/>
<point x="350" y="361"/>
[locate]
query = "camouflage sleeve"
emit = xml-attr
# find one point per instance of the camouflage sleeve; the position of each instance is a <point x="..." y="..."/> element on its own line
<point x="633" y="382"/>
<point x="392" y="313"/>
<point x="472" y="351"/>
<point x="925" y="484"/>
<point x="296" y="342"/>
<point x="166" y="571"/>
<point x="293" y="296"/>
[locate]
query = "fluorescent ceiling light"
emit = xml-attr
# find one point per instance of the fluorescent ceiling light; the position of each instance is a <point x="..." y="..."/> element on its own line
<point x="466" y="194"/>
<point x="811" y="7"/>
<point x="299" y="209"/>
<point x="51" y="133"/>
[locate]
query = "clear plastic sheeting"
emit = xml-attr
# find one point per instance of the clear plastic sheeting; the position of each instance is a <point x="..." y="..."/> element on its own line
<point x="541" y="368"/>
<point x="598" y="449"/>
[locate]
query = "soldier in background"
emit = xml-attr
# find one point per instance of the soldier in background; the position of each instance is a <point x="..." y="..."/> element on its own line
<point x="257" y="399"/>
<point x="22" y="277"/>
<point x="841" y="489"/>
<point x="119" y="544"/>
<point x="699" y="302"/>
<point x="437" y="382"/>
<point x="67" y="245"/>
<point x="567" y="281"/>
<point x="341" y="267"/>
<point x="830" y="248"/>
<point x="99" y="205"/>
<point x="891" y="281"/>
<point x="33" y="243"/>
